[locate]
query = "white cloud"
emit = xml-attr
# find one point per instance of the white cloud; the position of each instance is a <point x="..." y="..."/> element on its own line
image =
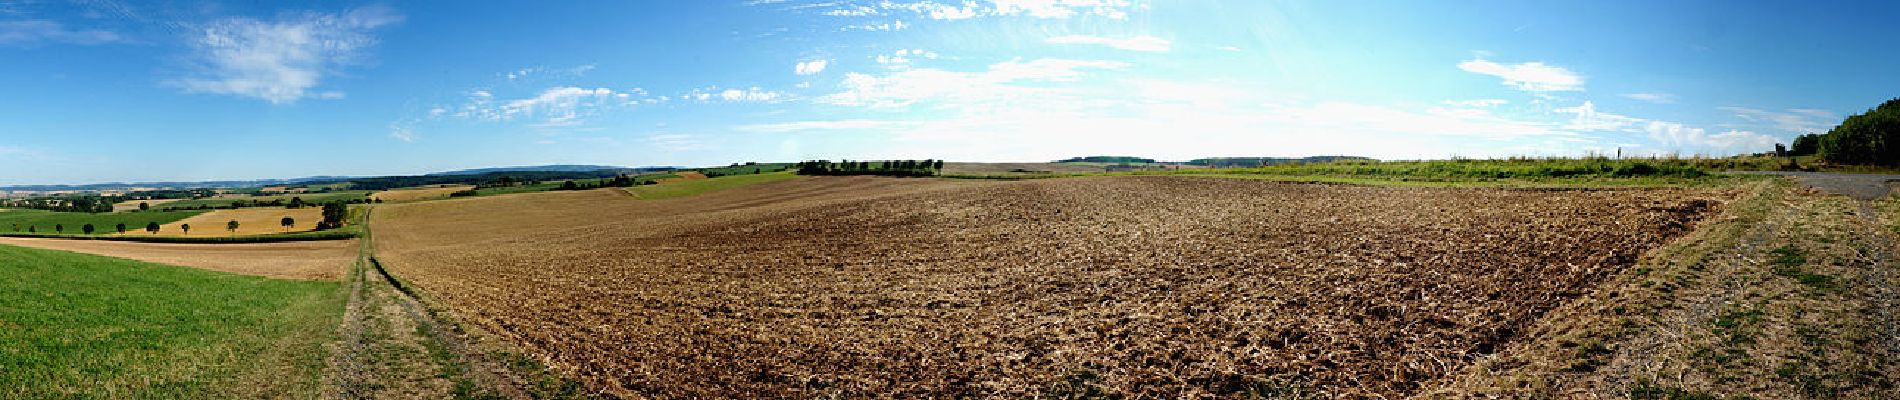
<point x="935" y="10"/>
<point x="896" y="25"/>
<point x="28" y="32"/>
<point x="402" y="133"/>
<point x="1589" y="119"/>
<point x="1136" y="43"/>
<point x="1529" y="77"/>
<point x="1658" y="98"/>
<point x="1676" y="137"/>
<point x="998" y="85"/>
<point x="1229" y="49"/>
<point x="280" y="61"/>
<point x="810" y="67"/>
<point x="903" y="57"/>
<point x="557" y="102"/>
<point x="753" y="94"/>
<point x="1478" y="103"/>
<point x="951" y="10"/>
<point x="1112" y="9"/>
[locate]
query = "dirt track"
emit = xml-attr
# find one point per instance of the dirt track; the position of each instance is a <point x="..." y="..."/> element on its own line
<point x="1859" y="186"/>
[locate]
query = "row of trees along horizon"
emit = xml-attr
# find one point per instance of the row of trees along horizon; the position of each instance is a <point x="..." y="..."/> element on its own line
<point x="333" y="215"/>
<point x="905" y="168"/>
<point x="1870" y="138"/>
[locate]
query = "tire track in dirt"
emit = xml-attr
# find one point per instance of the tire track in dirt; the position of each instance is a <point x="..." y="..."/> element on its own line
<point x="393" y="346"/>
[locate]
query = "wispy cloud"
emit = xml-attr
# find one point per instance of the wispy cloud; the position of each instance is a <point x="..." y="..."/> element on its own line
<point x="1658" y="98"/>
<point x="997" y="85"/>
<point x="954" y="10"/>
<point x="1589" y="119"/>
<point x="1478" y="103"/>
<point x="902" y="57"/>
<point x="1149" y="44"/>
<point x="1798" y="120"/>
<point x="1529" y="77"/>
<point x="29" y="32"/>
<point x="280" y="61"/>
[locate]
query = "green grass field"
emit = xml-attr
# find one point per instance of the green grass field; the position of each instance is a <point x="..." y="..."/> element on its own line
<point x="82" y="326"/>
<point x="692" y="187"/>
<point x="41" y="221"/>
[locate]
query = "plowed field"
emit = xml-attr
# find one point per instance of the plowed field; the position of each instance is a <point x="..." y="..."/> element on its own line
<point x="1155" y="286"/>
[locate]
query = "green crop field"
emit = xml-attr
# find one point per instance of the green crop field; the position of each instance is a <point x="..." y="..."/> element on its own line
<point x="41" y="221"/>
<point x="697" y="186"/>
<point x="83" y="326"/>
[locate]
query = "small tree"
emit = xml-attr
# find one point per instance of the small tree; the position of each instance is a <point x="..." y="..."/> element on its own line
<point x="186" y="228"/>
<point x="87" y="229"/>
<point x="231" y="226"/>
<point x="151" y="227"/>
<point x="58" y="228"/>
<point x="288" y="222"/>
<point x="295" y="202"/>
<point x="144" y="207"/>
<point x="120" y="227"/>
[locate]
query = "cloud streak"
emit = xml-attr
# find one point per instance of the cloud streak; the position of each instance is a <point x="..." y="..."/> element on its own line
<point x="1529" y="77"/>
<point x="29" y="32"/>
<point x="1149" y="44"/>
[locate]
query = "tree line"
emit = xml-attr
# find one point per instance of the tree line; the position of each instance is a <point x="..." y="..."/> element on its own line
<point x="85" y="204"/>
<point x="908" y="168"/>
<point x="1870" y="138"/>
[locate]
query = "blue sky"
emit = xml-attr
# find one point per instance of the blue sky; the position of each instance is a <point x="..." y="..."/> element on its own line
<point x="97" y="91"/>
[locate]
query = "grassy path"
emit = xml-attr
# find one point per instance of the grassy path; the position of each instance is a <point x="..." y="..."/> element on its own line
<point x="394" y="345"/>
<point x="1788" y="295"/>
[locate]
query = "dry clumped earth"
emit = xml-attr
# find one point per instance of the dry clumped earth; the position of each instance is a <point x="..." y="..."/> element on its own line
<point x="1145" y="286"/>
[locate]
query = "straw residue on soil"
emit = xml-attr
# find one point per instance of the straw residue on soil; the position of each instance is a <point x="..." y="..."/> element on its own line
<point x="1146" y="286"/>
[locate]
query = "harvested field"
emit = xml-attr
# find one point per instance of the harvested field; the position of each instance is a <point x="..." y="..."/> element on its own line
<point x="317" y="260"/>
<point x="1140" y="286"/>
<point x="133" y="205"/>
<point x="251" y="221"/>
<point x="683" y="176"/>
<point x="419" y="193"/>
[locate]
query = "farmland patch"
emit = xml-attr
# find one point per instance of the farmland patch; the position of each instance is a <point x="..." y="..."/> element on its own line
<point x="313" y="260"/>
<point x="1140" y="286"/>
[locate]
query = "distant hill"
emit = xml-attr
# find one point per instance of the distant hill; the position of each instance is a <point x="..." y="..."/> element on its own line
<point x="1219" y="162"/>
<point x="533" y="168"/>
<point x="1109" y="159"/>
<point x="171" y="185"/>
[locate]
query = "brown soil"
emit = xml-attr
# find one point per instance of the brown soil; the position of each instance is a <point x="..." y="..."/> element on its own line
<point x="1141" y="286"/>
